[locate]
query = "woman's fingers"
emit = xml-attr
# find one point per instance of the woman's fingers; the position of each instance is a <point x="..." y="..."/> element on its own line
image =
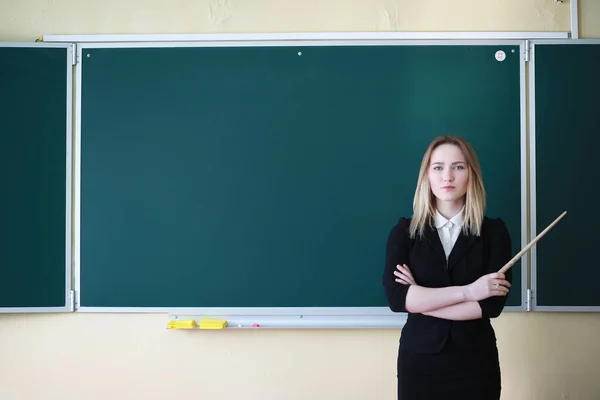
<point x="402" y="281"/>
<point x="404" y="269"/>
<point x="404" y="275"/>
<point x="401" y="278"/>
<point x="500" y="282"/>
<point x="499" y="286"/>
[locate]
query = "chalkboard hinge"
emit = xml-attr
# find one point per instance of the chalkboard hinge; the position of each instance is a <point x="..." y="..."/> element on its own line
<point x="72" y="300"/>
<point x="526" y="50"/>
<point x="73" y="54"/>
<point x="528" y="300"/>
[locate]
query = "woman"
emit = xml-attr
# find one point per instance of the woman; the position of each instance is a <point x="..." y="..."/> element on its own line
<point x="441" y="268"/>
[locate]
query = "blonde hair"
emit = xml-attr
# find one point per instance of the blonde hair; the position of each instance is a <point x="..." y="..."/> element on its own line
<point x="424" y="200"/>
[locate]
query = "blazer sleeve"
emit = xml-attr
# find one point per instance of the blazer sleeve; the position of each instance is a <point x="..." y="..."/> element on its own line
<point x="396" y="252"/>
<point x="499" y="245"/>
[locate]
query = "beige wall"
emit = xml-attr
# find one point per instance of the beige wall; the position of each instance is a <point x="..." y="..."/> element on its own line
<point x="27" y="19"/>
<point x="93" y="356"/>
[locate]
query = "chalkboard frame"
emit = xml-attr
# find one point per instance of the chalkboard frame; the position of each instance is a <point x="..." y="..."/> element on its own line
<point x="69" y="300"/>
<point x="535" y="229"/>
<point x="297" y="317"/>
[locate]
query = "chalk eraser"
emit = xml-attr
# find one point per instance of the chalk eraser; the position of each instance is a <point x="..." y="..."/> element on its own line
<point x="209" y="323"/>
<point x="182" y="324"/>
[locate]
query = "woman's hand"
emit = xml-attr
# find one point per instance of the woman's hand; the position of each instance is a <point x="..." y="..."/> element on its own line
<point x="404" y="276"/>
<point x="489" y="285"/>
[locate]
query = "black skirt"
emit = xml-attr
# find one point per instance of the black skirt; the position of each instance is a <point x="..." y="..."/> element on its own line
<point x="453" y="373"/>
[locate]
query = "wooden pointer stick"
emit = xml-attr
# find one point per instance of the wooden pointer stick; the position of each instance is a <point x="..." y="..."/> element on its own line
<point x="538" y="237"/>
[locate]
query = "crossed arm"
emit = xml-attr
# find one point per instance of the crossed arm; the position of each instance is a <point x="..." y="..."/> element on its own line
<point x="456" y="303"/>
<point x="480" y="299"/>
<point x="458" y="312"/>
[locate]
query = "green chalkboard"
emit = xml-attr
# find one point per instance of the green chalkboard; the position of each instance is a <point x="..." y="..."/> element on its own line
<point x="567" y="128"/>
<point x="34" y="111"/>
<point x="271" y="176"/>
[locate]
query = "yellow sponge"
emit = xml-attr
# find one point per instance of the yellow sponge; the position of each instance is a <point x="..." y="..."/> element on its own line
<point x="182" y="324"/>
<point x="209" y="323"/>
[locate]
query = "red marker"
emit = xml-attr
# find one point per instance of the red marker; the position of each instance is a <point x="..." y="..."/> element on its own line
<point x="255" y="325"/>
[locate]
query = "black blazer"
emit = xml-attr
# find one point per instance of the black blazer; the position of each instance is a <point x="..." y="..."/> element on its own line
<point x="470" y="258"/>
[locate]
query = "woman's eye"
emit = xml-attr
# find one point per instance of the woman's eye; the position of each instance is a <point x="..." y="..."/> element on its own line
<point x="460" y="167"/>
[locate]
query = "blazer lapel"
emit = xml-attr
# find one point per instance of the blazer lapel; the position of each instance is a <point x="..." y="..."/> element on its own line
<point x="462" y="244"/>
<point x="433" y="238"/>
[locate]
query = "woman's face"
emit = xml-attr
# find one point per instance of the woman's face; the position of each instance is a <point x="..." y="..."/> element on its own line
<point x="448" y="173"/>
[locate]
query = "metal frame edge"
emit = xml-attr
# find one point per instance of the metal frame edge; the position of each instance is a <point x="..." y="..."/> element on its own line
<point x="68" y="193"/>
<point x="77" y="180"/>
<point x="533" y="139"/>
<point x="301" y="36"/>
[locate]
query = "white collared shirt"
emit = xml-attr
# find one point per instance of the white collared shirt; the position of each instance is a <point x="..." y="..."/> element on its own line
<point x="448" y="229"/>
